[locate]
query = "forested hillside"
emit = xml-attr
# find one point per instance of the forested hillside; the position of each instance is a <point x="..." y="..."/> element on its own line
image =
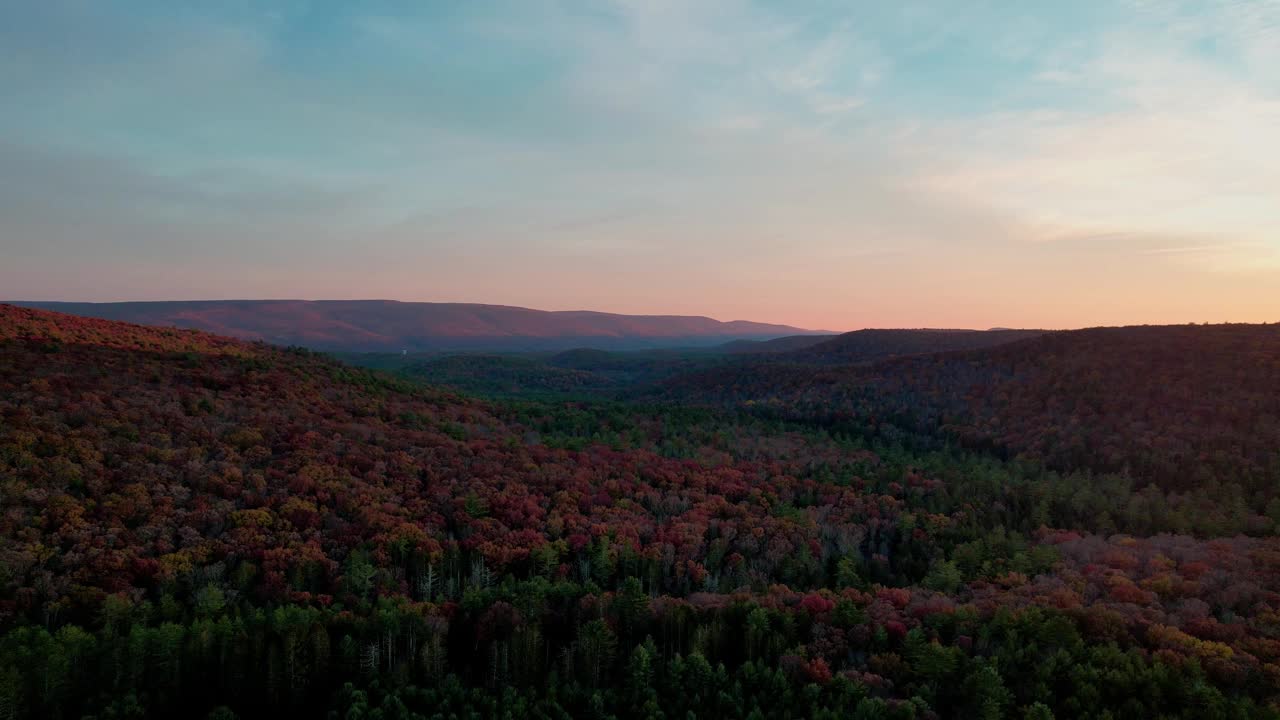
<point x="1193" y="409"/>
<point x="875" y="344"/>
<point x="200" y="527"/>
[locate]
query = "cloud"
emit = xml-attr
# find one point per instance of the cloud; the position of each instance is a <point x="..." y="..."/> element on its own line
<point x="1177" y="143"/>
<point x="476" y="145"/>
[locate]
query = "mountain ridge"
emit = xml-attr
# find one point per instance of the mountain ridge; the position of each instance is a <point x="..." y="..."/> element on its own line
<point x="872" y="344"/>
<point x="391" y="325"/>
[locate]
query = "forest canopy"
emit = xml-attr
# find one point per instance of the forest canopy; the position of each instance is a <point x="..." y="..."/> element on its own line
<point x="1074" y="525"/>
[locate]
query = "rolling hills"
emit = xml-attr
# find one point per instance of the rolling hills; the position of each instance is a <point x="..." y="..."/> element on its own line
<point x="599" y="374"/>
<point x="199" y="526"/>
<point x="1188" y="407"/>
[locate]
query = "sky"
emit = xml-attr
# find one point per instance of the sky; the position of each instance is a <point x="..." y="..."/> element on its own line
<point x="827" y="164"/>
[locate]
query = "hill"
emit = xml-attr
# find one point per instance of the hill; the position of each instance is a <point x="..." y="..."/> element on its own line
<point x="384" y="325"/>
<point x="162" y="486"/>
<point x="874" y="344"/>
<point x="776" y="345"/>
<point x="1192" y="408"/>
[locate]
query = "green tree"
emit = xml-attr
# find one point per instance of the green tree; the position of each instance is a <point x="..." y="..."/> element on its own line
<point x="596" y="645"/>
<point x="944" y="577"/>
<point x="1037" y="711"/>
<point x="986" y="692"/>
<point x="928" y="658"/>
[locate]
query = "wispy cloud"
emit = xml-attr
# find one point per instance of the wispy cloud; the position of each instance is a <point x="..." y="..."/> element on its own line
<point x="1176" y="143"/>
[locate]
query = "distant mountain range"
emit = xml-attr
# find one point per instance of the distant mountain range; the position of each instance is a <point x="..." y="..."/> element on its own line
<point x="385" y="325"/>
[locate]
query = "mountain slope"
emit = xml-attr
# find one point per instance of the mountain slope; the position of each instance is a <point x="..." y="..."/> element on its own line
<point x="1188" y="407"/>
<point x="872" y="344"/>
<point x="384" y="325"/>
<point x="875" y="344"/>
<point x="162" y="486"/>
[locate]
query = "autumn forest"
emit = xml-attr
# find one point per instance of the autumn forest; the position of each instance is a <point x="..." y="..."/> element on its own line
<point x="895" y="525"/>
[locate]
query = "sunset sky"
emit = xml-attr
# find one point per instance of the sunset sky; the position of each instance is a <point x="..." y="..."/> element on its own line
<point x="827" y="164"/>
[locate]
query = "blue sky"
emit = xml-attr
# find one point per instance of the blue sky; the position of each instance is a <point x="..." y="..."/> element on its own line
<point x="834" y="164"/>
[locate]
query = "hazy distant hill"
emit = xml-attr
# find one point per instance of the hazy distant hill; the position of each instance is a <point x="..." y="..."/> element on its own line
<point x="385" y="325"/>
<point x="776" y="345"/>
